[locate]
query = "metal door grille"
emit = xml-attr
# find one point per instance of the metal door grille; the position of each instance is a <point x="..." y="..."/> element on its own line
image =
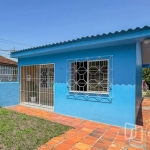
<point x="37" y="84"/>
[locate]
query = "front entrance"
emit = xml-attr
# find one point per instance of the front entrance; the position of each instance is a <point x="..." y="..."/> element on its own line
<point x="37" y="85"/>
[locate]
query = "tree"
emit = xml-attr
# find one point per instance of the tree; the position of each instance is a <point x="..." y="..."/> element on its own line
<point x="146" y="76"/>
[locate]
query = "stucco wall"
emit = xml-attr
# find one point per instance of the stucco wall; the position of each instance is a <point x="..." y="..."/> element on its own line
<point x="122" y="107"/>
<point x="138" y="76"/>
<point x="9" y="93"/>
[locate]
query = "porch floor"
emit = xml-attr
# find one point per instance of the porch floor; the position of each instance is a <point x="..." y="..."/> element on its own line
<point x="89" y="135"/>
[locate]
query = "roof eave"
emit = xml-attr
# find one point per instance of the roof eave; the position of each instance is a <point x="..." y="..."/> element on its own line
<point x="7" y="64"/>
<point x="115" y="39"/>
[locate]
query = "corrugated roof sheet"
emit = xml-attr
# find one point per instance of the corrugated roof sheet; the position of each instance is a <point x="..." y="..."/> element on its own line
<point x="6" y="61"/>
<point x="87" y="38"/>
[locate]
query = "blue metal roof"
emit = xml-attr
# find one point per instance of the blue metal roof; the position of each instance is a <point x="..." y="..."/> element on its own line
<point x="88" y="38"/>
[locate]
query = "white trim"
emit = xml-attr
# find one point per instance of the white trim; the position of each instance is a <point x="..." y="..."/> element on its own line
<point x="87" y="76"/>
<point x="90" y="92"/>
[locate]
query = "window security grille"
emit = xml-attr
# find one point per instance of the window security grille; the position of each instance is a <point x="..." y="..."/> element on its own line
<point x="8" y="74"/>
<point x="90" y="77"/>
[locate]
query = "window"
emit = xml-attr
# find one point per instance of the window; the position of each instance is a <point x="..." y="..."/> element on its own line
<point x="8" y="73"/>
<point x="47" y="76"/>
<point x="89" y="76"/>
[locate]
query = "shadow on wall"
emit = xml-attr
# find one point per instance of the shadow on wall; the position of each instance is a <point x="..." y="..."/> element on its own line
<point x="139" y="120"/>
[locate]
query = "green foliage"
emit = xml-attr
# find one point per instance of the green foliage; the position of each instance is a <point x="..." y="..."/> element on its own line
<point x="146" y="75"/>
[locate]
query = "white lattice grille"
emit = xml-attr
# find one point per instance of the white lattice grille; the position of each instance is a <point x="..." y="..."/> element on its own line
<point x="37" y="84"/>
<point x="8" y="74"/>
<point x="90" y="77"/>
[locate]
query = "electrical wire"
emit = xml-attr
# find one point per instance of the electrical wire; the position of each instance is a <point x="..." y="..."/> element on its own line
<point x="5" y="50"/>
<point x="11" y="42"/>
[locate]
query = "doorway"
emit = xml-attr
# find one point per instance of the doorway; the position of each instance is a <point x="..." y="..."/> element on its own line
<point x="37" y="85"/>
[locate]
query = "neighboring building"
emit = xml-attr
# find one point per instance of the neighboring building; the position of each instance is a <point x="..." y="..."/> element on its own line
<point x="97" y="78"/>
<point x="144" y="86"/>
<point x="8" y="69"/>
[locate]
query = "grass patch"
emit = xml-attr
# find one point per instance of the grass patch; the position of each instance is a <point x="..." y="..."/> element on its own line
<point x="22" y="132"/>
<point x="148" y="92"/>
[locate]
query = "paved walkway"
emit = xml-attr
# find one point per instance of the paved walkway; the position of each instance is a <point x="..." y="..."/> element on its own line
<point x="88" y="135"/>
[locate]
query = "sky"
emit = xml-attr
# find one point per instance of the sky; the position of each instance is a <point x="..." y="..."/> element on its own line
<point x="29" y="23"/>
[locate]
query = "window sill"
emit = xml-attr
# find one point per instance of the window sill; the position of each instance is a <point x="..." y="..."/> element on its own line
<point x="90" y="92"/>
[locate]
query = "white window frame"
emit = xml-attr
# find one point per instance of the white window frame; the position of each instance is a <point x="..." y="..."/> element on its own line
<point x="93" y="92"/>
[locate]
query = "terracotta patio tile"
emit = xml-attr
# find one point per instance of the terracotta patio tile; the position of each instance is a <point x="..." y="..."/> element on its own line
<point x="118" y="146"/>
<point x="75" y="138"/>
<point x="59" y="139"/>
<point x="75" y="130"/>
<point x="95" y="135"/>
<point x="66" y="136"/>
<point x="134" y="148"/>
<point x="71" y="132"/>
<point x="85" y="122"/>
<point x="104" y="126"/>
<point x="101" y="129"/>
<point x="82" y="146"/>
<point x="87" y="130"/>
<point x="104" y="141"/>
<point x="113" y="148"/>
<point x="97" y="132"/>
<point x="91" y="127"/>
<point x="94" y="148"/>
<point x="80" y="135"/>
<point x="62" y="146"/>
<point x="87" y="141"/>
<point x="52" y="142"/>
<point x="101" y="146"/>
<point x="107" y="137"/>
<point x="70" y="142"/>
<point x="83" y="132"/>
<point x="114" y="128"/>
<point x="121" y="137"/>
<point x="74" y="148"/>
<point x="91" y="138"/>
<point x="120" y="141"/>
<point x="147" y="147"/>
<point x="111" y="134"/>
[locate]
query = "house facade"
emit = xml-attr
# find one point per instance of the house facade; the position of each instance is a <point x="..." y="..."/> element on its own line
<point x="9" y="87"/>
<point x="97" y="78"/>
<point x="8" y="69"/>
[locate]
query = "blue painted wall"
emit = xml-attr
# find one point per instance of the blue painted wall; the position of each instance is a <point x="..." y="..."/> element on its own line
<point x="122" y="107"/>
<point x="9" y="93"/>
<point x="138" y="76"/>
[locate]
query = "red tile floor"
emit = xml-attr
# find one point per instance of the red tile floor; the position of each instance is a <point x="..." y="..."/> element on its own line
<point x="89" y="135"/>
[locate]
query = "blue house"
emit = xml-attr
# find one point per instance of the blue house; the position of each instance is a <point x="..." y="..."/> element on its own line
<point x="97" y="78"/>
